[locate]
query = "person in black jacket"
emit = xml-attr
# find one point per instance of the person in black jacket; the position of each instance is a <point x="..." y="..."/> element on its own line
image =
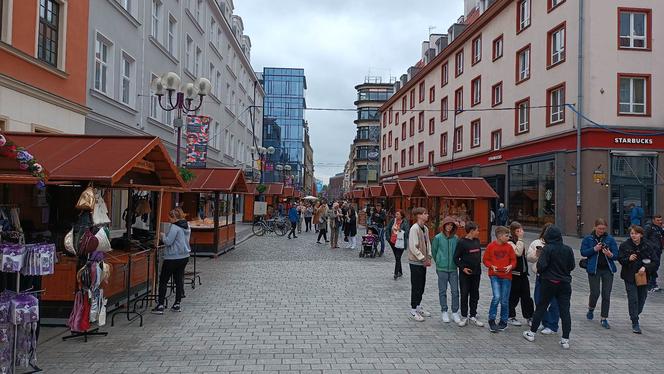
<point x="636" y="256"/>
<point x="468" y="257"/>
<point x="554" y="266"/>
<point x="654" y="234"/>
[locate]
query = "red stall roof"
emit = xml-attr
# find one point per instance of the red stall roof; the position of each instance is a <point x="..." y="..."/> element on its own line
<point x="358" y="194"/>
<point x="366" y="192"/>
<point x="389" y="188"/>
<point x="274" y="189"/>
<point x="103" y="159"/>
<point x="377" y="191"/>
<point x="453" y="187"/>
<point x="289" y="192"/>
<point x="226" y="180"/>
<point x="406" y="187"/>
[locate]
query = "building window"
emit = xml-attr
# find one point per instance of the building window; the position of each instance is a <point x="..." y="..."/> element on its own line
<point x="384" y="169"/>
<point x="477" y="50"/>
<point x="634" y="28"/>
<point x="523" y="64"/>
<point x="523" y="15"/>
<point x="431" y="158"/>
<point x="126" y="4"/>
<point x="443" y="144"/>
<point x="432" y="94"/>
<point x="197" y="61"/>
<point x="189" y="54"/>
<point x="389" y="139"/>
<point x="199" y="10"/>
<point x="103" y="65"/>
<point x="532" y="192"/>
<point x="49" y="25"/>
<point x="384" y="120"/>
<point x="444" y="74"/>
<point x="420" y="152"/>
<point x="384" y="141"/>
<point x="389" y="163"/>
<point x="403" y="158"/>
<point x="476" y="91"/>
<point x="458" y="100"/>
<point x="412" y="98"/>
<point x="396" y="143"/>
<point x="156" y="18"/>
<point x="127" y="85"/>
<point x="391" y="114"/>
<point x="217" y="84"/>
<point x="215" y="136"/>
<point x="432" y="125"/>
<point x="154" y="102"/>
<point x="496" y="140"/>
<point x="458" y="139"/>
<point x="634" y="94"/>
<point x="522" y="116"/>
<point x="556" y="45"/>
<point x="213" y="27"/>
<point x="403" y="105"/>
<point x="411" y="155"/>
<point x="420" y="122"/>
<point x="403" y="131"/>
<point x="498" y="48"/>
<point x="497" y="94"/>
<point x="421" y="92"/>
<point x="555" y="111"/>
<point x="172" y="35"/>
<point x="458" y="61"/>
<point x="475" y="133"/>
<point x="552" y="4"/>
<point x="396" y="119"/>
<point x="411" y="126"/>
<point x="443" y="109"/>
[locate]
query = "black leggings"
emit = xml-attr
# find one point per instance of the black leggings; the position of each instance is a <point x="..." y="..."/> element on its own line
<point x="322" y="232"/>
<point x="562" y="292"/>
<point x="418" y="279"/>
<point x="307" y="224"/>
<point x="293" y="227"/>
<point x="175" y="269"/>
<point x="520" y="291"/>
<point x="397" y="259"/>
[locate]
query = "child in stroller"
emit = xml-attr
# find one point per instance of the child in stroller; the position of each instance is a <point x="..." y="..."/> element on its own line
<point x="370" y="243"/>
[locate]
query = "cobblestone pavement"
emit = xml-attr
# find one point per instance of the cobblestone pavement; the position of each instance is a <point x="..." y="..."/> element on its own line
<point x="278" y="305"/>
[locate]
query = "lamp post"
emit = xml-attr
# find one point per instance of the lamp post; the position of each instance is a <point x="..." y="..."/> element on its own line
<point x="283" y="169"/>
<point x="180" y="98"/>
<point x="263" y="155"/>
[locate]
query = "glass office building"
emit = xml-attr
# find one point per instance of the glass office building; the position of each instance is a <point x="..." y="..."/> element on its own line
<point x="284" y="106"/>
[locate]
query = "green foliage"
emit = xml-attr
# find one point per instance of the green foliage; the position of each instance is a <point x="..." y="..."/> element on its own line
<point x="186" y="174"/>
<point x="261" y="188"/>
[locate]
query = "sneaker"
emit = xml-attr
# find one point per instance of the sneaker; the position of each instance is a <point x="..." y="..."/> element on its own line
<point x="446" y="317"/>
<point x="547" y="331"/>
<point x="456" y="317"/>
<point x="176" y="308"/>
<point x="462" y="322"/>
<point x="530" y="322"/>
<point x="492" y="325"/>
<point x="529" y="336"/>
<point x="564" y="343"/>
<point x="590" y="315"/>
<point x="514" y="322"/>
<point x="502" y="325"/>
<point x="636" y="328"/>
<point x="654" y="289"/>
<point x="476" y="322"/>
<point x="605" y="324"/>
<point x="159" y="309"/>
<point x="423" y="312"/>
<point x="416" y="317"/>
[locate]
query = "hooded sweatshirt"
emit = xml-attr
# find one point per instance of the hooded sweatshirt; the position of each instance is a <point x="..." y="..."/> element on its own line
<point x="644" y="255"/>
<point x="177" y="241"/>
<point x="443" y="247"/>
<point x="556" y="262"/>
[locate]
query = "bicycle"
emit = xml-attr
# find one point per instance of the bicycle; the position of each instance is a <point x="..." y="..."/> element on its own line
<point x="276" y="226"/>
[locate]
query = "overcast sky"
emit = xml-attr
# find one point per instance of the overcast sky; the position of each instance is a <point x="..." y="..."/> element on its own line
<point x="339" y="43"/>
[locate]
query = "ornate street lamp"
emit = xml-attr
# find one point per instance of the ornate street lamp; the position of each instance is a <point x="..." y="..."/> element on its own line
<point x="180" y="98"/>
<point x="263" y="155"/>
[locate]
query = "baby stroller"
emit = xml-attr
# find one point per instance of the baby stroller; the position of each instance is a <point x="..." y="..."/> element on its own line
<point x="370" y="243"/>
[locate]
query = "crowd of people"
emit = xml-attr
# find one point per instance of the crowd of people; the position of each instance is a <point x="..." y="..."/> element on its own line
<point x="337" y="219"/>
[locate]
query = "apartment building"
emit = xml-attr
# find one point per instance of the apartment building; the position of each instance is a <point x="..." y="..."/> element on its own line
<point x="490" y="98"/>
<point x="42" y="66"/>
<point x="131" y="42"/>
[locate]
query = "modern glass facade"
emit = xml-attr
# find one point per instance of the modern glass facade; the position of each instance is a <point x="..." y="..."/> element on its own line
<point x="632" y="185"/>
<point x="284" y="106"/>
<point x="532" y="189"/>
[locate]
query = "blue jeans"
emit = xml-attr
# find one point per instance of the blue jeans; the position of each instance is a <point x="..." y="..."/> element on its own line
<point x="451" y="277"/>
<point x="552" y="314"/>
<point x="501" y="295"/>
<point x="381" y="236"/>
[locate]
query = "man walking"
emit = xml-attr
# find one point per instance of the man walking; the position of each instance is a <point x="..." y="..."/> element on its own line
<point x="378" y="219"/>
<point x="655" y="237"/>
<point x="503" y="215"/>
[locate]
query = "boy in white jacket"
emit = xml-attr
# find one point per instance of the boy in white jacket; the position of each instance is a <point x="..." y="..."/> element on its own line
<point x="552" y="315"/>
<point x="419" y="258"/>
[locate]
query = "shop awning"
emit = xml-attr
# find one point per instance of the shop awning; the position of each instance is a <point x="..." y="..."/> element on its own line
<point x="108" y="160"/>
<point x="274" y="189"/>
<point x="366" y="193"/>
<point x="406" y="187"/>
<point x="288" y="192"/>
<point x="389" y="188"/>
<point x="358" y="194"/>
<point x="251" y="189"/>
<point x="226" y="180"/>
<point x="452" y="187"/>
<point x="376" y="191"/>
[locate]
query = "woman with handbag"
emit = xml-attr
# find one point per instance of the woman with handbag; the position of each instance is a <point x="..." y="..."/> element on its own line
<point x="397" y="237"/>
<point x="322" y="222"/>
<point x="351" y="228"/>
<point x="635" y="256"/>
<point x="600" y="251"/>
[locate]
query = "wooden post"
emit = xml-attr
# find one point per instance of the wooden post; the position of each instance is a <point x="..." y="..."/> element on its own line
<point x="156" y="238"/>
<point x="215" y="231"/>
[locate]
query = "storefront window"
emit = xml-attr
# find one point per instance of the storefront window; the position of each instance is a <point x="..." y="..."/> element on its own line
<point x="532" y="193"/>
<point x="632" y="188"/>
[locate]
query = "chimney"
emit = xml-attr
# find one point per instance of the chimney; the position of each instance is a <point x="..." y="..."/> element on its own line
<point x="397" y="86"/>
<point x="425" y="48"/>
<point x="441" y="43"/>
<point x="403" y="79"/>
<point x="412" y="71"/>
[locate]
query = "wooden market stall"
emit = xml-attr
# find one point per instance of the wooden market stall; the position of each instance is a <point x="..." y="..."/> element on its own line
<point x="463" y="199"/>
<point x="249" y="199"/>
<point x="124" y="164"/>
<point x="388" y="192"/>
<point x="210" y="208"/>
<point x="271" y="195"/>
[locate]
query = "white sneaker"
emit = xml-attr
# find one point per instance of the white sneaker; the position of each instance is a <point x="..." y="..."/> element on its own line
<point x="564" y="343"/>
<point x="547" y="331"/>
<point x="477" y="322"/>
<point x="529" y="335"/>
<point x="416" y="317"/>
<point x="514" y="322"/>
<point x="463" y="322"/>
<point x="446" y="317"/>
<point x="423" y="312"/>
<point x="456" y="317"/>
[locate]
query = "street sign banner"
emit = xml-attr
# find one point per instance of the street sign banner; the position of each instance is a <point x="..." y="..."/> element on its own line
<point x="197" y="141"/>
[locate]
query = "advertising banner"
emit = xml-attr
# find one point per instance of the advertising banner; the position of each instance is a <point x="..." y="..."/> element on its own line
<point x="198" y="135"/>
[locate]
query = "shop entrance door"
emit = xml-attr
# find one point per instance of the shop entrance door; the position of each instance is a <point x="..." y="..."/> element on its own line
<point x="623" y="199"/>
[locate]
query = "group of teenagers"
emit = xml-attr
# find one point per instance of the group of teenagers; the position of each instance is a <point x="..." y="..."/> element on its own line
<point x="509" y="261"/>
<point x="337" y="218"/>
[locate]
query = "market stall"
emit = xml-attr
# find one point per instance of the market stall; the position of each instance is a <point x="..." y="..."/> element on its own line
<point x="249" y="199"/>
<point x="124" y="171"/>
<point x="463" y="199"/>
<point x="388" y="192"/>
<point x="209" y="206"/>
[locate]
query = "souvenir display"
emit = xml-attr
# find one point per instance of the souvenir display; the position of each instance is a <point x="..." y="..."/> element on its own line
<point x="89" y="303"/>
<point x="13" y="256"/>
<point x="39" y="259"/>
<point x="19" y="318"/>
